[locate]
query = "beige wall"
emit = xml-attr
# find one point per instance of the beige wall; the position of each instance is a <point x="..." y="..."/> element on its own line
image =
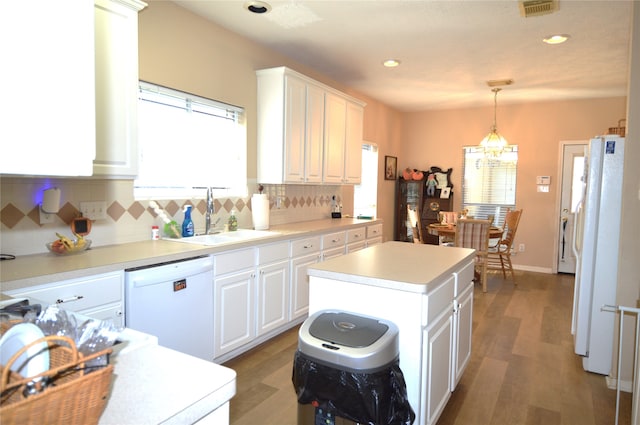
<point x="436" y="138"/>
<point x="183" y="51"/>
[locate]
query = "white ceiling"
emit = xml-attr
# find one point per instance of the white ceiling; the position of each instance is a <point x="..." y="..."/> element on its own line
<point x="448" y="48"/>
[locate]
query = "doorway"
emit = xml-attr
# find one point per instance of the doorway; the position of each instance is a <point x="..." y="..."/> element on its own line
<point x="573" y="156"/>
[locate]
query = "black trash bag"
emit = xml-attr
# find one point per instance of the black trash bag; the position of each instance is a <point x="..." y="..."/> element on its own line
<point x="374" y="398"/>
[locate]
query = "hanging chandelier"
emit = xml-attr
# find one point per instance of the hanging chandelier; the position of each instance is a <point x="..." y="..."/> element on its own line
<point x="494" y="144"/>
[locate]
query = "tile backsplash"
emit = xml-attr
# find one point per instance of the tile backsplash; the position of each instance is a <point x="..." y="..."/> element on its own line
<point x="130" y="220"/>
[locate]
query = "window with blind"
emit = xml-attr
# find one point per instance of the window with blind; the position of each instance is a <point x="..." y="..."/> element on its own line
<point x="187" y="142"/>
<point x="489" y="184"/>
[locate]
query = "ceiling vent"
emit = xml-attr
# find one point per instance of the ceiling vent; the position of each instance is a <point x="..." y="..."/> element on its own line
<point x="530" y="8"/>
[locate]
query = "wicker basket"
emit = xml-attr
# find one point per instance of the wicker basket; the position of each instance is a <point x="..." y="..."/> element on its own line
<point x="619" y="130"/>
<point x="74" y="394"/>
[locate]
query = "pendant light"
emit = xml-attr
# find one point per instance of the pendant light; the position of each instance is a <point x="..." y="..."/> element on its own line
<point x="494" y="144"/>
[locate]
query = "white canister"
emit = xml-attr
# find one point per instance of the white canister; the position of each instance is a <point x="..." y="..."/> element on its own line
<point x="260" y="211"/>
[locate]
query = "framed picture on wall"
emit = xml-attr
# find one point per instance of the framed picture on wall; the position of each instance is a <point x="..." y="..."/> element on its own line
<point x="390" y="167"/>
<point x="445" y="193"/>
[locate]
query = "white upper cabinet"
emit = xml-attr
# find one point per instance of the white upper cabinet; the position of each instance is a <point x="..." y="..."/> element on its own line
<point x="116" y="87"/>
<point x="343" y="140"/>
<point x="303" y="129"/>
<point x="353" y="144"/>
<point x="334" y="141"/>
<point x="48" y="119"/>
<point x="71" y="73"/>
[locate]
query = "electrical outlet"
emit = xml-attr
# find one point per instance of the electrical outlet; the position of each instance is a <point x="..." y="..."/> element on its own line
<point x="46" y="218"/>
<point x="278" y="202"/>
<point x="521" y="247"/>
<point x="94" y="210"/>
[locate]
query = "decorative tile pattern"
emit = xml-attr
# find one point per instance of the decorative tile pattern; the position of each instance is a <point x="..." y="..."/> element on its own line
<point x="10" y="215"/>
<point x="129" y="220"/>
<point x="115" y="211"/>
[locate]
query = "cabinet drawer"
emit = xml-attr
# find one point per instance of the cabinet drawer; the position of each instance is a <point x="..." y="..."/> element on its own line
<point x="79" y="294"/>
<point x="463" y="277"/>
<point x="333" y="240"/>
<point x="305" y="246"/>
<point x="273" y="252"/>
<point x="356" y="235"/>
<point x="374" y="231"/>
<point x="439" y="300"/>
<point x="233" y="261"/>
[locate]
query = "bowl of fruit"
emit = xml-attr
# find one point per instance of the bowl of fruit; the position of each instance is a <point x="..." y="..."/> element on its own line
<point x="66" y="246"/>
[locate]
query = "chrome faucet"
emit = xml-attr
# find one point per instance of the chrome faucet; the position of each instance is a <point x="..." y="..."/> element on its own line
<point x="210" y="210"/>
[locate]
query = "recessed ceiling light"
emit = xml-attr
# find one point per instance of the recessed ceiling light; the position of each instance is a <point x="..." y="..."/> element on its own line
<point x="257" y="6"/>
<point x="556" y="39"/>
<point x="391" y="63"/>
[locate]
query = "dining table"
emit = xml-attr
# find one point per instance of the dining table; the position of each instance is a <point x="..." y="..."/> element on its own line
<point x="449" y="230"/>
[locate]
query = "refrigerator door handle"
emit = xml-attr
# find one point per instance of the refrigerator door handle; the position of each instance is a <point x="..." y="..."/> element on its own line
<point x="576" y="229"/>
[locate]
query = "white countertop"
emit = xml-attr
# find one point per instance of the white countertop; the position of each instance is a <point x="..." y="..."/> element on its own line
<point x="29" y="270"/>
<point x="397" y="265"/>
<point x="154" y="384"/>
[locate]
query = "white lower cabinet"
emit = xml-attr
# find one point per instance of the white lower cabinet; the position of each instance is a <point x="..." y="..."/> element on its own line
<point x="436" y="386"/>
<point x="333" y="245"/>
<point x="304" y="252"/>
<point x="463" y="324"/>
<point x="374" y="234"/>
<point x="98" y="296"/>
<point x="356" y="239"/>
<point x="233" y="291"/>
<point x="273" y="287"/>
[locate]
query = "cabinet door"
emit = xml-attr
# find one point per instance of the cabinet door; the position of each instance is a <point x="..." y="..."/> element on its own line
<point x="408" y="192"/>
<point x="48" y="75"/>
<point x="114" y="312"/>
<point x="353" y="149"/>
<point x="314" y="134"/>
<point x="234" y="311"/>
<point x="116" y="88"/>
<point x="430" y="214"/>
<point x="334" y="138"/>
<point x="463" y="323"/>
<point x="437" y="345"/>
<point x="300" y="284"/>
<point x="273" y="296"/>
<point x="294" y="129"/>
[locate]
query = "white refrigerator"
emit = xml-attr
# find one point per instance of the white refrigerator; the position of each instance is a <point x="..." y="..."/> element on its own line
<point x="596" y="246"/>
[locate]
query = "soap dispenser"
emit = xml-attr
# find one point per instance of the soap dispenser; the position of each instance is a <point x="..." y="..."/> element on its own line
<point x="187" y="224"/>
<point x="233" y="221"/>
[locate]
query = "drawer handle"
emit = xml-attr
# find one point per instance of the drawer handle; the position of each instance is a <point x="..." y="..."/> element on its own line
<point x="68" y="300"/>
<point x="335" y="240"/>
<point x="308" y="246"/>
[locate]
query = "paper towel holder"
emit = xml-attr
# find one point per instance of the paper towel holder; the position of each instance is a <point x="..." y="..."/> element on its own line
<point x="50" y="205"/>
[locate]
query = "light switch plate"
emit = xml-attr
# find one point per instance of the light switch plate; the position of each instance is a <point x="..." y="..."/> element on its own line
<point x="96" y="210"/>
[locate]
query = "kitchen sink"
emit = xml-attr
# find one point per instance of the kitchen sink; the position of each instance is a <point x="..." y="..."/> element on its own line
<point x="227" y="237"/>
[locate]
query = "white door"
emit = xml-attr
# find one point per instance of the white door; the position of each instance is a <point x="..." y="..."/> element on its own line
<point x="571" y="191"/>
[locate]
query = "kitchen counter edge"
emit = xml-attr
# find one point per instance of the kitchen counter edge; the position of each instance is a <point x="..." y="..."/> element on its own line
<point x="37" y="269"/>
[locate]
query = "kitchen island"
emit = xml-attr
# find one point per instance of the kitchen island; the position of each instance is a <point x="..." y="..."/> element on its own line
<point x="427" y="291"/>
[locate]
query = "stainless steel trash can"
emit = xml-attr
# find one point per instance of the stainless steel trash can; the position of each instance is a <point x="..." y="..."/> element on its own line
<point x="346" y="371"/>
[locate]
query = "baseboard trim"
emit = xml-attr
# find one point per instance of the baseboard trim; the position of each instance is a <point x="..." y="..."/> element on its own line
<point x="533" y="269"/>
<point x="626" y="386"/>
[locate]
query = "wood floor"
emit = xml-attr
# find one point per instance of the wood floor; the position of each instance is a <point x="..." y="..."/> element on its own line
<point x="522" y="369"/>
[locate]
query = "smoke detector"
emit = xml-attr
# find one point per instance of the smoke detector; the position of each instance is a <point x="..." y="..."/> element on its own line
<point x="530" y="8"/>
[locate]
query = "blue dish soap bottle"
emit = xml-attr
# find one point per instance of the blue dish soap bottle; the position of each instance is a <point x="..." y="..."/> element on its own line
<point x="187" y="224"/>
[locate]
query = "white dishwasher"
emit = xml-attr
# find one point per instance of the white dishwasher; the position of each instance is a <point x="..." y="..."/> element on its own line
<point x="174" y="302"/>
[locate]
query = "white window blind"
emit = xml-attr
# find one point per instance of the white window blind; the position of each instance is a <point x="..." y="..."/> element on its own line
<point x="187" y="142"/>
<point x="489" y="184"/>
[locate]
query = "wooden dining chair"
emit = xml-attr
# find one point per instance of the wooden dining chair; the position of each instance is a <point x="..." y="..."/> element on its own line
<point x="414" y="222"/>
<point x="473" y="233"/>
<point x="499" y="257"/>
